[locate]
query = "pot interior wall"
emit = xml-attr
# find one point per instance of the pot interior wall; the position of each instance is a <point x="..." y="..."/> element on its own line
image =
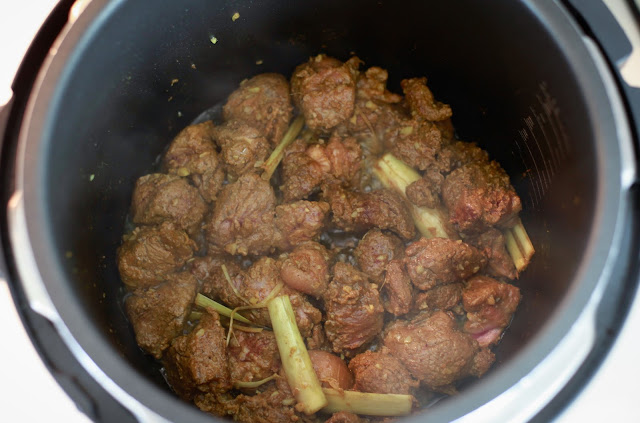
<point x="142" y="73"/>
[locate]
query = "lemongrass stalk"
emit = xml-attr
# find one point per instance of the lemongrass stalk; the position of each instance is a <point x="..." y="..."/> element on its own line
<point x="206" y="302"/>
<point x="195" y="315"/>
<point x="254" y="384"/>
<point x="394" y="174"/>
<point x="278" y="153"/>
<point x="295" y="359"/>
<point x="519" y="245"/>
<point x="366" y="403"/>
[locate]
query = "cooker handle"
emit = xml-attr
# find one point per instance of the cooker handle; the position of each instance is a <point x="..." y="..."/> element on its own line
<point x="615" y="27"/>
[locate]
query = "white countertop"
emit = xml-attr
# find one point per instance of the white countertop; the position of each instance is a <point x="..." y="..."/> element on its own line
<point x="30" y="394"/>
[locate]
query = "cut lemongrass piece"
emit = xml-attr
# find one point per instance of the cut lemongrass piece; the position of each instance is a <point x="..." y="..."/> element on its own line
<point x="521" y="236"/>
<point x="295" y="359"/>
<point x="206" y="302"/>
<point x="366" y="403"/>
<point x="514" y="251"/>
<point x="254" y="384"/>
<point x="519" y="245"/>
<point x="195" y="315"/>
<point x="276" y="156"/>
<point x="394" y="174"/>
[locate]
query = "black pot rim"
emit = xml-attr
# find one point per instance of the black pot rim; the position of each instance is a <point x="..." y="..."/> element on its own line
<point x="47" y="289"/>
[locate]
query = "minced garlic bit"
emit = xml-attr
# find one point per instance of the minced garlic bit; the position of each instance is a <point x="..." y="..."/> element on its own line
<point x="235" y="16"/>
<point x="259" y="62"/>
<point x="213" y="39"/>
<point x="174" y="81"/>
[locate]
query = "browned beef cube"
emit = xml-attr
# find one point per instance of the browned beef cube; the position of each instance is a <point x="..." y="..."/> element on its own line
<point x="434" y="350"/>
<point x="492" y="244"/>
<point x="376" y="250"/>
<point x="242" y="221"/>
<point x="372" y="85"/>
<point x="264" y="103"/>
<point x="421" y="102"/>
<point x="252" y="287"/>
<point x="158" y="198"/>
<point x="489" y="304"/>
<point x="151" y="253"/>
<point x="425" y="192"/>
<point x="436" y="261"/>
<point x="344" y="155"/>
<point x="478" y="196"/>
<point x="193" y="153"/>
<point x="324" y="89"/>
<point x="300" y="221"/>
<point x="302" y="173"/>
<point x="382" y="373"/>
<point x="158" y="314"/>
<point x="268" y="406"/>
<point x="358" y="212"/>
<point x="354" y="311"/>
<point x="197" y="362"/>
<point x="397" y="289"/>
<point x="441" y="297"/>
<point x="253" y="356"/>
<point x="243" y="147"/>
<point x="344" y="417"/>
<point x="306" y="268"/>
<point x="458" y="154"/>
<point x="415" y="142"/>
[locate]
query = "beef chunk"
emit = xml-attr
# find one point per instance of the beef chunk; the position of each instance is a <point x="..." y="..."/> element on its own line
<point x="372" y="85"/>
<point x="381" y="373"/>
<point x="263" y="276"/>
<point x="158" y="198"/>
<point x="302" y="174"/>
<point x="300" y="221"/>
<point x="421" y="101"/>
<point x="458" y="154"/>
<point x="306" y="167"/>
<point x="318" y="339"/>
<point x="354" y="311"/>
<point x="415" y="142"/>
<point x="425" y="192"/>
<point x="492" y="244"/>
<point x="253" y="356"/>
<point x="433" y="350"/>
<point x="150" y="253"/>
<point x="436" y="261"/>
<point x="251" y="287"/>
<point x="209" y="272"/>
<point x="344" y="417"/>
<point x="344" y="155"/>
<point x="324" y="89"/>
<point x="358" y="212"/>
<point x="441" y="297"/>
<point x="197" y="362"/>
<point x="479" y="196"/>
<point x="193" y="153"/>
<point x="306" y="268"/>
<point x="489" y="305"/>
<point x="397" y="289"/>
<point x="158" y="314"/>
<point x="269" y="406"/>
<point x="264" y="103"/>
<point x="331" y="370"/>
<point x="243" y="147"/>
<point x="376" y="250"/>
<point x="242" y="221"/>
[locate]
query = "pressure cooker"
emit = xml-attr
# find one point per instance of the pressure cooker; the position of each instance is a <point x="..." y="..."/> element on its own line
<point x="549" y="88"/>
